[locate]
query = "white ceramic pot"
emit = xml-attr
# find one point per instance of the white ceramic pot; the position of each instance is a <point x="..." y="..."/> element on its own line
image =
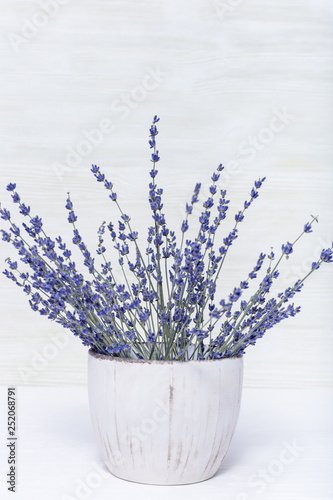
<point x="164" y="422"/>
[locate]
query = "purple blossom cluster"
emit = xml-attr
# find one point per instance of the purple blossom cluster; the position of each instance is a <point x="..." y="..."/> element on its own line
<point x="166" y="305"/>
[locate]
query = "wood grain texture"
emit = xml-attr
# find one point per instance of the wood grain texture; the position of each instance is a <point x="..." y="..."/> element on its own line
<point x="248" y="84"/>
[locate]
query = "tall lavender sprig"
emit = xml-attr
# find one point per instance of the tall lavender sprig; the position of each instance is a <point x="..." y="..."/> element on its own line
<point x="159" y="311"/>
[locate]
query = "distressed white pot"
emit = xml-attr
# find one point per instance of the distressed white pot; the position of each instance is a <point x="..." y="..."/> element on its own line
<point x="164" y="422"/>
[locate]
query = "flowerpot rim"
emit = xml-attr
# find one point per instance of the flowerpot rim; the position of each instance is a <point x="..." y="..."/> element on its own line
<point x="97" y="355"/>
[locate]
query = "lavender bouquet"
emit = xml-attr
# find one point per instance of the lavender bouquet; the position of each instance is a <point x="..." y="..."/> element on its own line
<point x="166" y="307"/>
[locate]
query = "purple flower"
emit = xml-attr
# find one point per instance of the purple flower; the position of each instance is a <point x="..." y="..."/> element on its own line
<point x="24" y="210"/>
<point x="37" y="224"/>
<point x="260" y="261"/>
<point x="5" y="214"/>
<point x="196" y="193"/>
<point x="222" y="250"/>
<point x="326" y="255"/>
<point x="153" y="130"/>
<point x="287" y="248"/>
<point x="69" y="204"/>
<point x="77" y="238"/>
<point x="307" y="228"/>
<point x="151" y="337"/>
<point x="152" y="142"/>
<point x="189" y="208"/>
<point x="235" y="295"/>
<point x="259" y="182"/>
<point x="100" y="177"/>
<point x="239" y="217"/>
<point x="16" y="198"/>
<point x="267" y="283"/>
<point x="173" y="300"/>
<point x="184" y="226"/>
<point x="199" y="333"/>
<point x="72" y="217"/>
<point x="133" y="235"/>
<point x="15" y="230"/>
<point x="153" y="173"/>
<point x="208" y="203"/>
<point x="155" y="157"/>
<point x="5" y="235"/>
<point x="298" y="286"/>
<point x="230" y="238"/>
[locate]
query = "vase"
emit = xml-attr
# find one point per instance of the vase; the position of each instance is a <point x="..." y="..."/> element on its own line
<point x="164" y="422"/>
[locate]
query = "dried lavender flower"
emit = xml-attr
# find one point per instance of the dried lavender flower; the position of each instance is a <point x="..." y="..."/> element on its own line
<point x="165" y="307"/>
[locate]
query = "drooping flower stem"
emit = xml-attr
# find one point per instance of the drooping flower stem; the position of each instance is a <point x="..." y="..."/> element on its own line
<point x="243" y="342"/>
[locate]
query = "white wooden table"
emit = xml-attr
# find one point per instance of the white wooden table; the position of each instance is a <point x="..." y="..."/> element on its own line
<point x="282" y="448"/>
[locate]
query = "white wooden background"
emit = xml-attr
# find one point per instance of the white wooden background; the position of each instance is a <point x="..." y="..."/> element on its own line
<point x="245" y="83"/>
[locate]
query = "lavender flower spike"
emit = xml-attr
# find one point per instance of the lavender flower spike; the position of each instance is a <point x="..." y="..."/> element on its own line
<point x="160" y="302"/>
